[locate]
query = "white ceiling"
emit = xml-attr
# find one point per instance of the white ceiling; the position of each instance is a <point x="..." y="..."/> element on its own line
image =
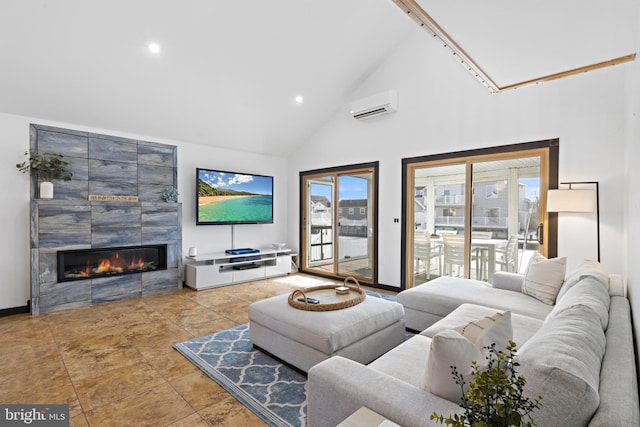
<point x="517" y="41"/>
<point x="228" y="71"/>
<point x="227" y="74"/>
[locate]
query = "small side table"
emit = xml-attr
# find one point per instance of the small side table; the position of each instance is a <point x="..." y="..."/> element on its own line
<point x="365" y="417"/>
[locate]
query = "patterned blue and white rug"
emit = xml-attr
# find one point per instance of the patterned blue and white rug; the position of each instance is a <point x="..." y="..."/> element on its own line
<point x="273" y="391"/>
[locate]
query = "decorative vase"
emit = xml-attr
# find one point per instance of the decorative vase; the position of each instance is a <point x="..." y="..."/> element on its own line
<point x="46" y="190"/>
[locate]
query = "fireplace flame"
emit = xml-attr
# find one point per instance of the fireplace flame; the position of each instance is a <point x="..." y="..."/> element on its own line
<point x="108" y="262"/>
<point x="115" y="264"/>
<point x="110" y="265"/>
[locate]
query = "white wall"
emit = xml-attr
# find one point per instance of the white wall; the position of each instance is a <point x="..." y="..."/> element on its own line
<point x="14" y="217"/>
<point x="217" y="238"/>
<point x="632" y="189"/>
<point x="443" y="109"/>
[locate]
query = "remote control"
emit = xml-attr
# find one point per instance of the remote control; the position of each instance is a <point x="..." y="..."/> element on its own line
<point x="310" y="300"/>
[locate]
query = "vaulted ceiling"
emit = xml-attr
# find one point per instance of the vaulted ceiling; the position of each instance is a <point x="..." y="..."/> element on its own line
<point x="227" y="73"/>
<point x="515" y="42"/>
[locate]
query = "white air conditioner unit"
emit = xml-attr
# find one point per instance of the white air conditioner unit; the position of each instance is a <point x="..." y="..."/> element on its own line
<point x="375" y="105"/>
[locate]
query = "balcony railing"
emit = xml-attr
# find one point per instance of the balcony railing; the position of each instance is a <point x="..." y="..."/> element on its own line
<point x="458" y="199"/>
<point x="450" y="220"/>
<point x="321" y="245"/>
<point x="483" y="221"/>
<point x="479" y="221"/>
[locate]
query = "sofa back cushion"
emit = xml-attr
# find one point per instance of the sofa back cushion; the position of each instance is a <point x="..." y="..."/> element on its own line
<point x="544" y="277"/>
<point x="562" y="363"/>
<point x="583" y="269"/>
<point x="588" y="292"/>
<point x="459" y="347"/>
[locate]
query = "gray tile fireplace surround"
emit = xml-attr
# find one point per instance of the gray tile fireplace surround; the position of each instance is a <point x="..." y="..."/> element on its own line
<point x="106" y="166"/>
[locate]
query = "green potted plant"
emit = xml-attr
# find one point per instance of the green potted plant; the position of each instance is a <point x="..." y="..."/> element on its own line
<point x="495" y="396"/>
<point x="170" y="195"/>
<point x="44" y="168"/>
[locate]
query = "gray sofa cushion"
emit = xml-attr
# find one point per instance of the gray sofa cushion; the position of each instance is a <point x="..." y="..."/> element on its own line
<point x="583" y="269"/>
<point x="618" y="384"/>
<point x="617" y="286"/>
<point x="589" y="292"/>
<point x="407" y="362"/>
<point x="444" y="294"/>
<point x="561" y="363"/>
<point x="508" y="281"/>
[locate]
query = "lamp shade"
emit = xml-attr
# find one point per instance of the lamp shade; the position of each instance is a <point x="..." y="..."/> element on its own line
<point x="570" y="200"/>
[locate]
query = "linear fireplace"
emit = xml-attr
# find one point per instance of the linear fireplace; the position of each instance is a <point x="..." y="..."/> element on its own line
<point x="81" y="264"/>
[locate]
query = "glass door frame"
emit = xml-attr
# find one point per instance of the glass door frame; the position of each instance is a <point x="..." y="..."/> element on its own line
<point x="306" y="176"/>
<point x="547" y="150"/>
<point x="309" y="262"/>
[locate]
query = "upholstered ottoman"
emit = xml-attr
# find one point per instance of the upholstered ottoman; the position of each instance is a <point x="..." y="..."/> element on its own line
<point x="304" y="338"/>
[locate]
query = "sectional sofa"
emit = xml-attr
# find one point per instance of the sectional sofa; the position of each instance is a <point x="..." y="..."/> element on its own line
<point x="577" y="353"/>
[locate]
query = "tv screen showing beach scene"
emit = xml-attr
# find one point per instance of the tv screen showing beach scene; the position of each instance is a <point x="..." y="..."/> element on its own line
<point x="233" y="198"/>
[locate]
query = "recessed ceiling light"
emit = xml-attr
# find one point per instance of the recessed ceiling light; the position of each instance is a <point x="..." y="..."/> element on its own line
<point x="154" y="47"/>
<point x="299" y="99"/>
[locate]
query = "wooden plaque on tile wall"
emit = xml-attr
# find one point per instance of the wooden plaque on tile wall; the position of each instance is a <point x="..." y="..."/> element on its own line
<point x="111" y="198"/>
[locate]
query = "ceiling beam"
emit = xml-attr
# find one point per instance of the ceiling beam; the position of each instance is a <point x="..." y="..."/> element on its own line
<point x="419" y="15"/>
<point x="568" y="73"/>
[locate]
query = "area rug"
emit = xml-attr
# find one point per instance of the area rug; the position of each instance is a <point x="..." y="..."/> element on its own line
<point x="273" y="391"/>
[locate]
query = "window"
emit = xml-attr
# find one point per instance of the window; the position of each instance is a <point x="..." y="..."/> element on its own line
<point x="490" y="198"/>
<point x="331" y="244"/>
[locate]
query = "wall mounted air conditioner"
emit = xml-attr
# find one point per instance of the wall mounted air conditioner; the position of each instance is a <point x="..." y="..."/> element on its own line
<point x="375" y="105"/>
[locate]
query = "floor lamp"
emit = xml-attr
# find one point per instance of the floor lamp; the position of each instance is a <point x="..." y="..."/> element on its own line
<point x="576" y="200"/>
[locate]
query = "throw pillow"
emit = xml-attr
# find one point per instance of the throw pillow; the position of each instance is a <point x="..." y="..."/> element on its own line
<point x="544" y="277"/>
<point x="459" y="347"/>
<point x="489" y="330"/>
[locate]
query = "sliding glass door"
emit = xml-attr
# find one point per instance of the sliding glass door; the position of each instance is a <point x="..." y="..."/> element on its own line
<point x="438" y="213"/>
<point x="339" y="222"/>
<point x="470" y="216"/>
<point x="355" y="219"/>
<point x="319" y="231"/>
<point x="505" y="214"/>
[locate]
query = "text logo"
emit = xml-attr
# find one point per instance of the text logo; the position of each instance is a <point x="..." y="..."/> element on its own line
<point x="34" y="415"/>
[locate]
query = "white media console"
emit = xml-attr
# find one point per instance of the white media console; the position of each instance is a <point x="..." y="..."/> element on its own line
<point x="221" y="269"/>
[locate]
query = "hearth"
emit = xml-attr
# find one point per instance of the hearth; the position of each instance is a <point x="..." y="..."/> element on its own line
<point x="82" y="264"/>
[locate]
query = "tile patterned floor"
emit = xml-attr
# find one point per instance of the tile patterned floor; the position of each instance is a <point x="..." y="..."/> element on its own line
<point x="114" y="365"/>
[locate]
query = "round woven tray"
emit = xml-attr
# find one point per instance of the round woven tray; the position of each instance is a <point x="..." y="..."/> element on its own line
<point x="329" y="299"/>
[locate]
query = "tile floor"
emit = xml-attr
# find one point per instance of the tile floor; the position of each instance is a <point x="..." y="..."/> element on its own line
<point x="114" y="363"/>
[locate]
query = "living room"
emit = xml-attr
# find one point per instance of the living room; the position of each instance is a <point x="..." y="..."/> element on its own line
<point x="595" y="115"/>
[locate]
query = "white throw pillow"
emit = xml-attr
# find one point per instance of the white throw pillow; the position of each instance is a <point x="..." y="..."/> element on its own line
<point x="489" y="330"/>
<point x="544" y="277"/>
<point x="459" y="347"/>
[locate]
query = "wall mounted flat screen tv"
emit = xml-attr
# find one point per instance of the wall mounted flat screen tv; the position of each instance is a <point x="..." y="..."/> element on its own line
<point x="233" y="198"/>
